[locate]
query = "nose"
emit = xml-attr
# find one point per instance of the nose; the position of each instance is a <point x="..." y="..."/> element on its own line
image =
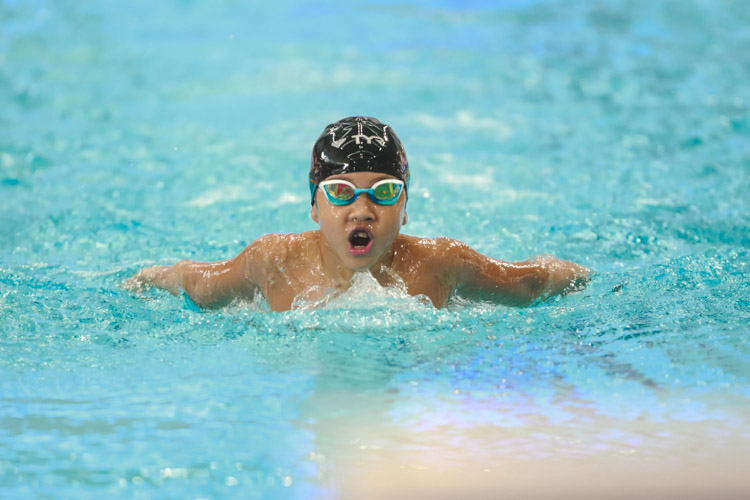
<point x="361" y="209"/>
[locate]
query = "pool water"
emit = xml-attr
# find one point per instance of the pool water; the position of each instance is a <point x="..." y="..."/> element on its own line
<point x="614" y="133"/>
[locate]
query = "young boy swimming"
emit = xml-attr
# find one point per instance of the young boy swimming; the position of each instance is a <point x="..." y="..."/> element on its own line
<point x="359" y="179"/>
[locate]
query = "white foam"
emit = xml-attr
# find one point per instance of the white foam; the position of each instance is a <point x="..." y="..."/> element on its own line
<point x="364" y="290"/>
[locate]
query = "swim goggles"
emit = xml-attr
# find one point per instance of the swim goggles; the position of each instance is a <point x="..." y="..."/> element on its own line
<point x="340" y="192"/>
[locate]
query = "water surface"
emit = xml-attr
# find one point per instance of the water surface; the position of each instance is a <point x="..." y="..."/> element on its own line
<point x="610" y="133"/>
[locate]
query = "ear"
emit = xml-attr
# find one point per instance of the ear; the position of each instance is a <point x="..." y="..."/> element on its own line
<point x="405" y="219"/>
<point x="314" y="213"/>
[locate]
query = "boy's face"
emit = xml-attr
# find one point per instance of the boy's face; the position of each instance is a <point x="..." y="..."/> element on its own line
<point x="359" y="234"/>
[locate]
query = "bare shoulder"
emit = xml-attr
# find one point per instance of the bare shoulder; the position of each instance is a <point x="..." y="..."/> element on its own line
<point x="280" y="243"/>
<point x="443" y="253"/>
<point x="275" y="249"/>
<point x="441" y="248"/>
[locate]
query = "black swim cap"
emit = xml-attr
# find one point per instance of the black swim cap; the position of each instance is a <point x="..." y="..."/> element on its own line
<point x="357" y="144"/>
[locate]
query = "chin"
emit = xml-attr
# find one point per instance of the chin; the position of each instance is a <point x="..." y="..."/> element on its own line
<point x="360" y="264"/>
<point x="360" y="267"/>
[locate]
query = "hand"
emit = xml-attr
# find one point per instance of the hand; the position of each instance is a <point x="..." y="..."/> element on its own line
<point x="158" y="276"/>
<point x="564" y="276"/>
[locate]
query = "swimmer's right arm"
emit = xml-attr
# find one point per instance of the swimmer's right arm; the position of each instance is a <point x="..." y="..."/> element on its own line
<point x="208" y="284"/>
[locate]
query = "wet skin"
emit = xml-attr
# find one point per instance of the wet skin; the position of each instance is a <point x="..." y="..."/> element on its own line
<point x="338" y="223"/>
<point x="308" y="265"/>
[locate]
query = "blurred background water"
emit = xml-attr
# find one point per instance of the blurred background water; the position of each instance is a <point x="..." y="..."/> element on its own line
<point x="613" y="133"/>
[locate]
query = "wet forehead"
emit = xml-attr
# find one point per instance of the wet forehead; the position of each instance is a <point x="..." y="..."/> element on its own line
<point x="362" y="179"/>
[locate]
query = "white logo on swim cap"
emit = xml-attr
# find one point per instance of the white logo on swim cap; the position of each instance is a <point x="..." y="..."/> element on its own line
<point x="346" y="134"/>
<point x="369" y="138"/>
<point x="337" y="144"/>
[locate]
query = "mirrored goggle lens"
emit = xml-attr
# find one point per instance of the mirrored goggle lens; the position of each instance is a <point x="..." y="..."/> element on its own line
<point x="386" y="191"/>
<point x="339" y="191"/>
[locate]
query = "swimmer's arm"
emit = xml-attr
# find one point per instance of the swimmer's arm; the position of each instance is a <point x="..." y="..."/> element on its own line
<point x="208" y="284"/>
<point x="512" y="283"/>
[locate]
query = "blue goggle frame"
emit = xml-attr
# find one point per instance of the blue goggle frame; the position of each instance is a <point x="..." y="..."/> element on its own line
<point x="385" y="192"/>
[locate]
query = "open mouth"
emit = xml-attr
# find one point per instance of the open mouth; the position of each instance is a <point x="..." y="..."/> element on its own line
<point x="360" y="241"/>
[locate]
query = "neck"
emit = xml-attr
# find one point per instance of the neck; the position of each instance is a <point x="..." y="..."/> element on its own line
<point x="341" y="274"/>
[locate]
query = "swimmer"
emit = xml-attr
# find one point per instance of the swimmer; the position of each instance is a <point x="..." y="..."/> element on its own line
<point x="359" y="185"/>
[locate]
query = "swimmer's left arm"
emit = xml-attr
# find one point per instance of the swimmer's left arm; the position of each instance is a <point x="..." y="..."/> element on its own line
<point x="512" y="283"/>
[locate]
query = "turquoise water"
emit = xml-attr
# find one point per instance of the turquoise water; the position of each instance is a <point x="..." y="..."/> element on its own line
<point x="612" y="133"/>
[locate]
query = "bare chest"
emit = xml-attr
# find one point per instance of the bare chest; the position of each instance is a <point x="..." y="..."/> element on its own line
<point x="286" y="288"/>
<point x="302" y="281"/>
<point x="420" y="280"/>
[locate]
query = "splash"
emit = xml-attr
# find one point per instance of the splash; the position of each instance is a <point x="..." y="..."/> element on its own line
<point x="365" y="292"/>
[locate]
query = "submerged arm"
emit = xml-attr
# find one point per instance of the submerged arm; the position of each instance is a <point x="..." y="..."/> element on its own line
<point x="514" y="283"/>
